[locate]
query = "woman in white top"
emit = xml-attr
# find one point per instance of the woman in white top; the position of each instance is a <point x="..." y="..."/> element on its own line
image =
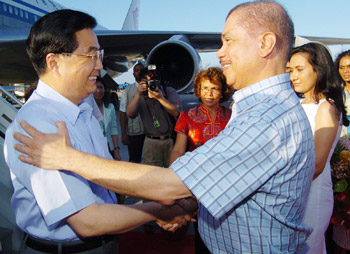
<point x="312" y="74"/>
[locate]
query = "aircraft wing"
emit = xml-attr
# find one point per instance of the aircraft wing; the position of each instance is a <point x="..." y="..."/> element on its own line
<point x="14" y="62"/>
<point x="328" y="41"/>
<point x="124" y="42"/>
<point x="121" y="47"/>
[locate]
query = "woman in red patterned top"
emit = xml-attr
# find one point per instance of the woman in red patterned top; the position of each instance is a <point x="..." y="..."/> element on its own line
<point x="199" y="124"/>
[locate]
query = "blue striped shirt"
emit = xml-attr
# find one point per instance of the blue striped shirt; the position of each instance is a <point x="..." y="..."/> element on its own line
<point x="252" y="180"/>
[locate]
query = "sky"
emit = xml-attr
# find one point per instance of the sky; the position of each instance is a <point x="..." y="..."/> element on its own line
<point x="320" y="18"/>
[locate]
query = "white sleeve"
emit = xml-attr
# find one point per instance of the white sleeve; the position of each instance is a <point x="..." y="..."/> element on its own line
<point x="122" y="106"/>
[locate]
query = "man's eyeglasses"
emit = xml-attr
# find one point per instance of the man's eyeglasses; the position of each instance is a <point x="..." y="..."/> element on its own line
<point x="97" y="56"/>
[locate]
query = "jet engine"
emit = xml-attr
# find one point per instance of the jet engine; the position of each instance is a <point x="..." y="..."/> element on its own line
<point x="177" y="62"/>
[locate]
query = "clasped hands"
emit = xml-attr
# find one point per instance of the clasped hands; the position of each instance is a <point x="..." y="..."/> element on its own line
<point x="177" y="215"/>
<point x="170" y="218"/>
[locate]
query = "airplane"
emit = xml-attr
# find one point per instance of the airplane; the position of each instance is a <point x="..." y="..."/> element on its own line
<point x="175" y="53"/>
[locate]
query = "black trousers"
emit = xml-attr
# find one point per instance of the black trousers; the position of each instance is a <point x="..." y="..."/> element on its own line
<point x="199" y="245"/>
<point x="135" y="148"/>
<point x="107" y="244"/>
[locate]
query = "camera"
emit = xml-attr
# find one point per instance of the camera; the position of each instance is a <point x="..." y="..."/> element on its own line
<point x="154" y="82"/>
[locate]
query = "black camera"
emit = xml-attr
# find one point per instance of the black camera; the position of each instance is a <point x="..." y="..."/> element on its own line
<point x="154" y="82"/>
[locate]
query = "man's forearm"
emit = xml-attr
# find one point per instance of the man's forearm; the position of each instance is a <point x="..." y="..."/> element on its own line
<point x="54" y="151"/>
<point x="131" y="109"/>
<point x="169" y="107"/>
<point x="123" y="122"/>
<point x="99" y="219"/>
<point x="132" y="179"/>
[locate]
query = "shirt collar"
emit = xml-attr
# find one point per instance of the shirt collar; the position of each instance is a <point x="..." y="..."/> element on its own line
<point x="267" y="86"/>
<point x="61" y="103"/>
<point x="204" y="109"/>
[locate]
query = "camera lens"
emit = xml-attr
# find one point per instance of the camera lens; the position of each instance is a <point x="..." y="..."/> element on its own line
<point x="152" y="85"/>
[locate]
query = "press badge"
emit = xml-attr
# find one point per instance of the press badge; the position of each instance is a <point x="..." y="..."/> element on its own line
<point x="156" y="123"/>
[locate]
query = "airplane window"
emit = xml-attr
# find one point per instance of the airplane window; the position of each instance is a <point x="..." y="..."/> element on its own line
<point x="4" y="7"/>
<point x="10" y="9"/>
<point x="26" y="14"/>
<point x="21" y="13"/>
<point x="16" y="11"/>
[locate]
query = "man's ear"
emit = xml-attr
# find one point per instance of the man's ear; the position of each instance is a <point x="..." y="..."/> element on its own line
<point x="51" y="62"/>
<point x="267" y="43"/>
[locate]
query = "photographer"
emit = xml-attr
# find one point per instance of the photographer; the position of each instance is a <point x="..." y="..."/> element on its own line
<point x="132" y="129"/>
<point x="157" y="106"/>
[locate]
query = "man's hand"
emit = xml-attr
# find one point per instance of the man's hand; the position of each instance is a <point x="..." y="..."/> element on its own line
<point x="151" y="94"/>
<point x="177" y="215"/>
<point x="142" y="87"/>
<point x="125" y="139"/>
<point x="190" y="205"/>
<point x="155" y="94"/>
<point x="48" y="151"/>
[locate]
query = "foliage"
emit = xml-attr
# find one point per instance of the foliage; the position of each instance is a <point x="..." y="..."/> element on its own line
<point x="340" y="166"/>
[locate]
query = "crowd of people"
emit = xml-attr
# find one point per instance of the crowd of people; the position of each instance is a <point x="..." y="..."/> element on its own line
<point x="257" y="176"/>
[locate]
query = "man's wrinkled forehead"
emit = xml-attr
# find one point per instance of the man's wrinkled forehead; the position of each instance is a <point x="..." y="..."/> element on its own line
<point x="232" y="24"/>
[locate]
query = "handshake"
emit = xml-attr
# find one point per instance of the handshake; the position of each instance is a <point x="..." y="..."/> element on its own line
<point x="173" y="217"/>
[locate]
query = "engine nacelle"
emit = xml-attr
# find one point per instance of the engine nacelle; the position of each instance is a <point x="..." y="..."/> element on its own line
<point x="177" y="61"/>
